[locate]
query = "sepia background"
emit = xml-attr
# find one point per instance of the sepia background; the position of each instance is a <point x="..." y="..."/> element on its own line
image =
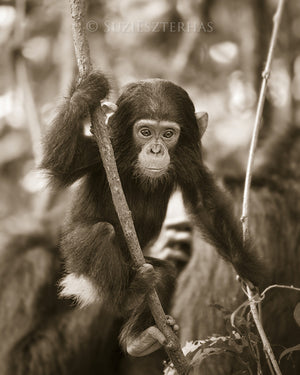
<point x="214" y="49"/>
<point x="217" y="56"/>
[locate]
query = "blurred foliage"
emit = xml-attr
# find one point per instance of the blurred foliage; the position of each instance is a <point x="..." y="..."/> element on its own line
<point x="214" y="49"/>
<point x="242" y="342"/>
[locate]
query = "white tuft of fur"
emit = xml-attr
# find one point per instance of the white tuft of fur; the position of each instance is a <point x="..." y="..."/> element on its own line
<point x="79" y="288"/>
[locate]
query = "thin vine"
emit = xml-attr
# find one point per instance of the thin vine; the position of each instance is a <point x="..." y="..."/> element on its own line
<point x="245" y="213"/>
<point x="78" y="13"/>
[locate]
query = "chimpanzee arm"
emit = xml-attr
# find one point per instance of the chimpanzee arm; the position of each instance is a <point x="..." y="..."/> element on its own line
<point x="68" y="154"/>
<point x="213" y="213"/>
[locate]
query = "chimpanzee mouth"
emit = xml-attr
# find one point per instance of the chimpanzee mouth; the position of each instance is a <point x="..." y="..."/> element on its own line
<point x="152" y="178"/>
<point x="152" y="173"/>
<point x="155" y="171"/>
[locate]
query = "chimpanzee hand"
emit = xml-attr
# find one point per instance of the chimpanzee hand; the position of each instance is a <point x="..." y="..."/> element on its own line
<point x="144" y="280"/>
<point x="91" y="90"/>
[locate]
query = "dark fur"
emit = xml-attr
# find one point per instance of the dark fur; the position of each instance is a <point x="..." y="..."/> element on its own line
<point x="274" y="223"/>
<point x="41" y="334"/>
<point x="93" y="243"/>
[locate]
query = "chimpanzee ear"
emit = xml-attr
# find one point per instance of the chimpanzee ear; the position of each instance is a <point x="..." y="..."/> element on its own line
<point x="202" y="121"/>
<point x="109" y="108"/>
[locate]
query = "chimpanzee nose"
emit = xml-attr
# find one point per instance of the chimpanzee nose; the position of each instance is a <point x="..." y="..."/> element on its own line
<point x="156" y="149"/>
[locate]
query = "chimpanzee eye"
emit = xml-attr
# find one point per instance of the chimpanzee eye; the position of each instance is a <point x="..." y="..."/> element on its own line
<point x="145" y="132"/>
<point x="168" y="134"/>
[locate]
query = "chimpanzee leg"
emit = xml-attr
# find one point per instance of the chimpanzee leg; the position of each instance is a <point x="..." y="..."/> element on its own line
<point x="139" y="335"/>
<point x="96" y="264"/>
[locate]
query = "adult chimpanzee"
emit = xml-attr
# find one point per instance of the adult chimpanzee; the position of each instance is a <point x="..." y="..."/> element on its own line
<point x="40" y="333"/>
<point x="156" y="138"/>
<point x="274" y="221"/>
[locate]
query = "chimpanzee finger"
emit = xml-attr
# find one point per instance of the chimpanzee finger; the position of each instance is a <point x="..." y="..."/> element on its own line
<point x="172" y="322"/>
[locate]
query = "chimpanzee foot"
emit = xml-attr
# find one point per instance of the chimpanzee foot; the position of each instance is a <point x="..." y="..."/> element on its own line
<point x="147" y="342"/>
<point x="150" y="340"/>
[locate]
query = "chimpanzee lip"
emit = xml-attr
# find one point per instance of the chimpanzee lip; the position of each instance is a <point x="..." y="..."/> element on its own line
<point x="156" y="169"/>
<point x="154" y="172"/>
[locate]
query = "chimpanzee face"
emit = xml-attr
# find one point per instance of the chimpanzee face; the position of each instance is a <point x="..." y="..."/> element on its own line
<point x="154" y="139"/>
<point x="149" y="143"/>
